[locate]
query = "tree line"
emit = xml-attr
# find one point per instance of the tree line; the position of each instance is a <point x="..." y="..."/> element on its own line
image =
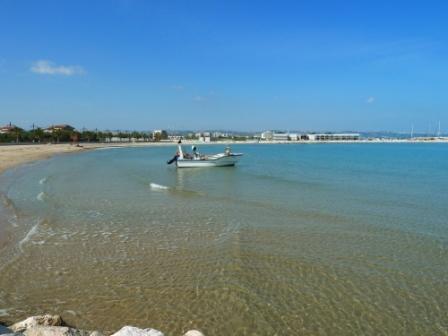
<point x="38" y="135"/>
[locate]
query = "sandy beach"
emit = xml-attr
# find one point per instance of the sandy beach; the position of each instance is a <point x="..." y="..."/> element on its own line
<point x="14" y="155"/>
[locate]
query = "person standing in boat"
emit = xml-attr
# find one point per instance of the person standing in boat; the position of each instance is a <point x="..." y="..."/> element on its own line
<point x="195" y="152"/>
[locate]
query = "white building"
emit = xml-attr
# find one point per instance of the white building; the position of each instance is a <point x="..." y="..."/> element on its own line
<point x="205" y="137"/>
<point x="294" y="136"/>
<point x="280" y="136"/>
<point x="334" y="137"/>
<point x="267" y="135"/>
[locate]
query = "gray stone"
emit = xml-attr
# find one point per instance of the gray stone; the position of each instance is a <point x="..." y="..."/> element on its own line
<point x="96" y="333"/>
<point x="133" y="331"/>
<point x="35" y="321"/>
<point x="55" y="331"/>
<point x="193" y="333"/>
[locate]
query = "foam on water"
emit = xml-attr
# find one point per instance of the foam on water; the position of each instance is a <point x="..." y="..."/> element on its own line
<point x="156" y="186"/>
<point x="43" y="180"/>
<point x="41" y="196"/>
<point x="29" y="235"/>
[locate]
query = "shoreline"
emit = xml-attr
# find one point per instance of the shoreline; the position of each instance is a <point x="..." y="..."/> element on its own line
<point x="14" y="155"/>
<point x="54" y="325"/>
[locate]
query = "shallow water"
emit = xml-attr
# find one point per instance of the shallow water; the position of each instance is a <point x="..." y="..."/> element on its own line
<point x="297" y="239"/>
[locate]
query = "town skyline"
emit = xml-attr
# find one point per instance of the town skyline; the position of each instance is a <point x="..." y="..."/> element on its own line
<point x="437" y="131"/>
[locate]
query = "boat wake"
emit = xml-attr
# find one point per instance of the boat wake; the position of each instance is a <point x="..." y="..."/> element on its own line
<point x="155" y="186"/>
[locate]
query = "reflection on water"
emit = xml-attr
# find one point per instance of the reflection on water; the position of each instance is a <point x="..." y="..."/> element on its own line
<point x="319" y="244"/>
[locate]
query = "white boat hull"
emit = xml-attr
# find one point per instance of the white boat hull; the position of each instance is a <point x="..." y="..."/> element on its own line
<point x="218" y="160"/>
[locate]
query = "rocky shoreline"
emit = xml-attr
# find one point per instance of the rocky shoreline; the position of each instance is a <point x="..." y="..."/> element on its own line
<point x="53" y="325"/>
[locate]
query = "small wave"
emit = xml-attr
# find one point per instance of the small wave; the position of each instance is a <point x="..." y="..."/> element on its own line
<point x="29" y="235"/>
<point x="40" y="196"/>
<point x="8" y="209"/>
<point x="94" y="213"/>
<point x="156" y="186"/>
<point x="43" y="180"/>
<point x="108" y="147"/>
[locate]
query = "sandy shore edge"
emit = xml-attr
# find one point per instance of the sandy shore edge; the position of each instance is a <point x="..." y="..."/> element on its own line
<point x="15" y="155"/>
<point x="53" y="325"/>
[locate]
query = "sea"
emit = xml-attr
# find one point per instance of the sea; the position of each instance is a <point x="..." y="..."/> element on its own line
<point x="297" y="239"/>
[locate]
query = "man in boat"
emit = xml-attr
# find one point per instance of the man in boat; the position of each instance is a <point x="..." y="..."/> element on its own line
<point x="195" y="152"/>
<point x="177" y="155"/>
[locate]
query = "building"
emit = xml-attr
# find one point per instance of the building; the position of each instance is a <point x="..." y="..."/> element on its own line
<point x="59" y="128"/>
<point x="280" y="136"/>
<point x="267" y="135"/>
<point x="217" y="135"/>
<point x="175" y="137"/>
<point x="334" y="137"/>
<point x="8" y="129"/>
<point x="205" y="137"/>
<point x="294" y="136"/>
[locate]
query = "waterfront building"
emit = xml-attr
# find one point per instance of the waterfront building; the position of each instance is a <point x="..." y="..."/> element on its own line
<point x="280" y="136"/>
<point x="294" y="136"/>
<point x="333" y="137"/>
<point x="205" y="137"/>
<point x="267" y="135"/>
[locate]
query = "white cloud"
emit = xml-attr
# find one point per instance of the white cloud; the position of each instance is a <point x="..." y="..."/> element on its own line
<point x="44" y="67"/>
<point x="199" y="98"/>
<point x="370" y="100"/>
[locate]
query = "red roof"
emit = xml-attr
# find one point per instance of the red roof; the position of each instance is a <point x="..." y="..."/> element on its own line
<point x="9" y="128"/>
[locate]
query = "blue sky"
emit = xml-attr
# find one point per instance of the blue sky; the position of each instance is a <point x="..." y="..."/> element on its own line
<point x="242" y="65"/>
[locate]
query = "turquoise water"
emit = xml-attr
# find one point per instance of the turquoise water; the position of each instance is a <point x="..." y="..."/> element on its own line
<point x="329" y="239"/>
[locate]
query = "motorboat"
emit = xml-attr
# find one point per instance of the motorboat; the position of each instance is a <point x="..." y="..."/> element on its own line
<point x="197" y="160"/>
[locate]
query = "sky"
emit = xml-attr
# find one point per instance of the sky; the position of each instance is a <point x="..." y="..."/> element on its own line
<point x="237" y="65"/>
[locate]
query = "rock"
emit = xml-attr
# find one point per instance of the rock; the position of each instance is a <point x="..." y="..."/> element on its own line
<point x="55" y="331"/>
<point x="133" y="331"/>
<point x="193" y="333"/>
<point x="96" y="333"/>
<point x="34" y="321"/>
